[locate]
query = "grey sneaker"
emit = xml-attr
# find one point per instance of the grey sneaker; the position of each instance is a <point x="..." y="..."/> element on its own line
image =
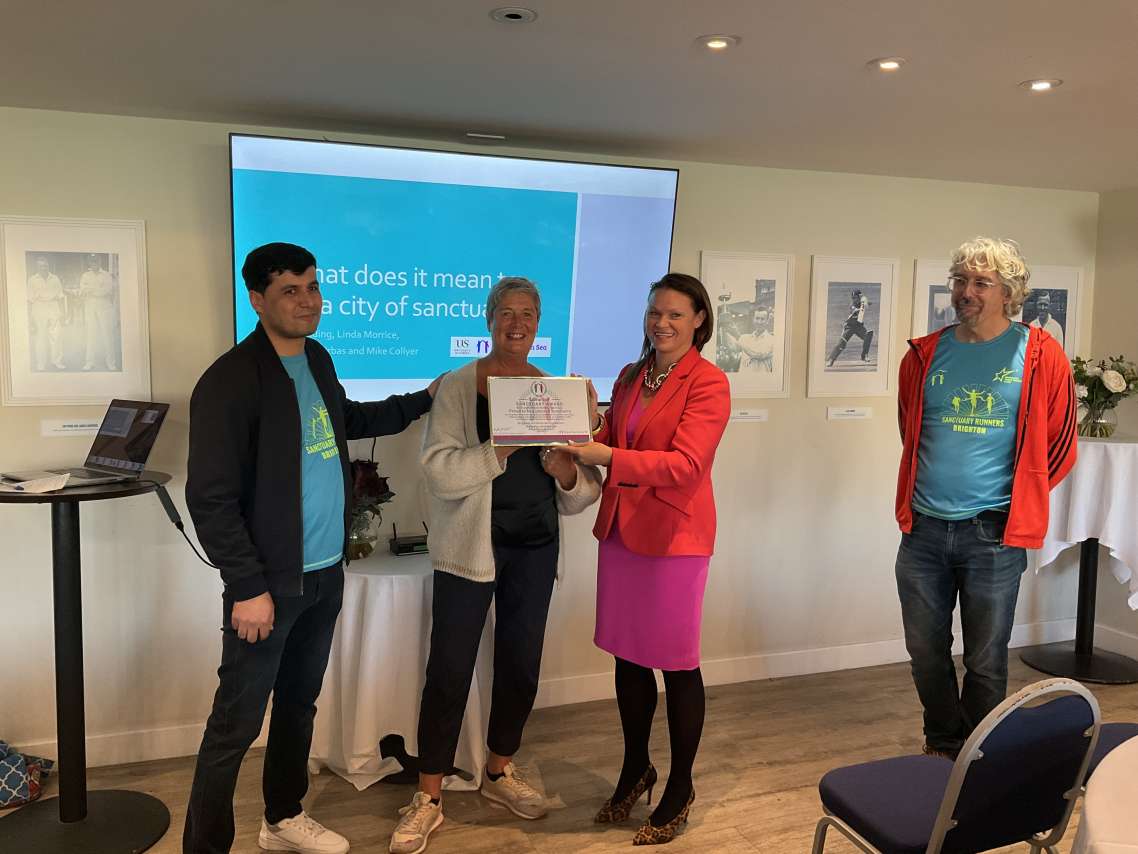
<point x="301" y="833"/>
<point x="514" y="793"/>
<point x="420" y="818"/>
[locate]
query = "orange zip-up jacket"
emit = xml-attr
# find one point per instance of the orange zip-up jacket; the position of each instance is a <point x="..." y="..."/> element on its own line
<point x="1045" y="445"/>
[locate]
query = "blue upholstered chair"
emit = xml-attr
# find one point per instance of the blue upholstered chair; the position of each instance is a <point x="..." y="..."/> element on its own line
<point x="1016" y="779"/>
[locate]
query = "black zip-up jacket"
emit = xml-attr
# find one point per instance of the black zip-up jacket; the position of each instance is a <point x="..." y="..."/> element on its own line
<point x="243" y="485"/>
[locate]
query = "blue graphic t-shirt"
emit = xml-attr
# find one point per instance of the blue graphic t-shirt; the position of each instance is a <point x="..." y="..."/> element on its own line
<point x="968" y="427"/>
<point x="321" y="477"/>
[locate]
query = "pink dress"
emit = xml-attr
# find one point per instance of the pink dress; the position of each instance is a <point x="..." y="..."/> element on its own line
<point x="649" y="609"/>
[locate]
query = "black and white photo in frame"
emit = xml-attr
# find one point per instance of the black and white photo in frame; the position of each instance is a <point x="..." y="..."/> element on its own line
<point x="932" y="297"/>
<point x="1053" y="304"/>
<point x="74" y="310"/>
<point x="851" y="326"/>
<point x="751" y="295"/>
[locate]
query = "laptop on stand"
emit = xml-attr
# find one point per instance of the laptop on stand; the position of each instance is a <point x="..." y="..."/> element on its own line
<point x="120" y="450"/>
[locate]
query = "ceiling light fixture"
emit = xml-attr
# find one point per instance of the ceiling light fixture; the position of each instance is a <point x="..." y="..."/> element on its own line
<point x="718" y="43"/>
<point x="491" y="137"/>
<point x="1043" y="84"/>
<point x="513" y="15"/>
<point x="887" y="63"/>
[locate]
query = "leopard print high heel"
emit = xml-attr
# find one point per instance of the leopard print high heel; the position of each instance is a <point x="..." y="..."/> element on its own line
<point x="649" y="834"/>
<point x="611" y="813"/>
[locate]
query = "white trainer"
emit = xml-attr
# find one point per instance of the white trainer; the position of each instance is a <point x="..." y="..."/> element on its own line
<point x="514" y="793"/>
<point x="420" y="818"/>
<point x="301" y="833"/>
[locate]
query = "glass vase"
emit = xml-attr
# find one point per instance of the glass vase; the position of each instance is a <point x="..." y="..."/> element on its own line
<point x="361" y="537"/>
<point x="1096" y="422"/>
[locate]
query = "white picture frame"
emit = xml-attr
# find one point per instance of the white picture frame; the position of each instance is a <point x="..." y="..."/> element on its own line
<point x="932" y="308"/>
<point x="1063" y="288"/>
<point x="73" y="305"/>
<point x="752" y="296"/>
<point x="932" y="298"/>
<point x="852" y="302"/>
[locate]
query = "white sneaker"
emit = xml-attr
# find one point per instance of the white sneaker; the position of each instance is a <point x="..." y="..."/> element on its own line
<point x="420" y="818"/>
<point x="514" y="793"/>
<point x="301" y="833"/>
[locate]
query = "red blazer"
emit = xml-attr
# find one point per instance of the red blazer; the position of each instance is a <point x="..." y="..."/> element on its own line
<point x="658" y="490"/>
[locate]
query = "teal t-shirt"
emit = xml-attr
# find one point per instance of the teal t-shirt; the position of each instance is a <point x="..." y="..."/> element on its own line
<point x="968" y="427"/>
<point x="321" y="477"/>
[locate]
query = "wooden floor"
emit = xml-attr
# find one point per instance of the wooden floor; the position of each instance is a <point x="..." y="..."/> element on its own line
<point x="765" y="746"/>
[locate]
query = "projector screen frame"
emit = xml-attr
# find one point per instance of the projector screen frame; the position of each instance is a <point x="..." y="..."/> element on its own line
<point x="414" y="149"/>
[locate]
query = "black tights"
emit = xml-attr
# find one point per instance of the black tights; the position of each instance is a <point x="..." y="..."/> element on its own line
<point x="636" y="699"/>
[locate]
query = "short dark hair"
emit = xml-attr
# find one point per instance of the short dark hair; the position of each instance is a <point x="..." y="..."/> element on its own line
<point x="266" y="261"/>
<point x="693" y="289"/>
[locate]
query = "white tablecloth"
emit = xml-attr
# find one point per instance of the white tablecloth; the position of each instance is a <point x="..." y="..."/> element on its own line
<point x="376" y="672"/>
<point x="1099" y="498"/>
<point x="1110" y="811"/>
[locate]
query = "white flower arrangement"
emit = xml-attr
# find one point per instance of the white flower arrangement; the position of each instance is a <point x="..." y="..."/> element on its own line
<point x="1100" y="386"/>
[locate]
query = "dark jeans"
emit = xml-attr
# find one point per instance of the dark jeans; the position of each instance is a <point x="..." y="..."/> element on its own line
<point x="935" y="563"/>
<point x="289" y="664"/>
<point x="521" y="592"/>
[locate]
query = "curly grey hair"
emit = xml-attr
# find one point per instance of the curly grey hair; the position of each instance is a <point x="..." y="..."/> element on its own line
<point x="1003" y="256"/>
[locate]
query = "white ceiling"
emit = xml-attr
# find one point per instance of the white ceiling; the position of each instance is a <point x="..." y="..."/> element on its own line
<point x="622" y="77"/>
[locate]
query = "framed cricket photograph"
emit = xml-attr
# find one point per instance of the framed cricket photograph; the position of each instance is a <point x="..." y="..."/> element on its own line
<point x="932" y="297"/>
<point x="851" y="326"/>
<point x="73" y="307"/>
<point x="751" y="295"/>
<point x="1053" y="304"/>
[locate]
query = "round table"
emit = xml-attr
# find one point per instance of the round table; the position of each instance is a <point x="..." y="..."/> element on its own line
<point x="1096" y="503"/>
<point x="107" y="821"/>
<point x="376" y="671"/>
<point x="1109" y="824"/>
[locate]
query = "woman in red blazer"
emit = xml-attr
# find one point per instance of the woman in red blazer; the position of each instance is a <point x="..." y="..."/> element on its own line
<point x="656" y="527"/>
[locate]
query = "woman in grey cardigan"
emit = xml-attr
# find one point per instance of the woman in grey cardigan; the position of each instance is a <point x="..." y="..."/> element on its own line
<point x="494" y="535"/>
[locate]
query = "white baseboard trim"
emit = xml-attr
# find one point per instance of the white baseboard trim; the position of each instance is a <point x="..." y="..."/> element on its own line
<point x="776" y="665"/>
<point x="144" y="745"/>
<point x="1115" y="640"/>
<point x="167" y="742"/>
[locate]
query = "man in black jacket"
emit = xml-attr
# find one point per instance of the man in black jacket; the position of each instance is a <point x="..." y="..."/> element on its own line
<point x="269" y="491"/>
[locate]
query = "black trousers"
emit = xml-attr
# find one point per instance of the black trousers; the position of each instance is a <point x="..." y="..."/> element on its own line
<point x="289" y="664"/>
<point x="521" y="592"/>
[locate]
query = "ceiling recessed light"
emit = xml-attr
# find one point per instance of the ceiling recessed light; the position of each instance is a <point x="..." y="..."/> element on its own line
<point x="1044" y="84"/>
<point x="718" y="43"/>
<point x="513" y="15"/>
<point x="887" y="63"/>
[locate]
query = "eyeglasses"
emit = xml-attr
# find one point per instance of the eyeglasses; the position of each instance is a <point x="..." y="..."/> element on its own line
<point x="960" y="283"/>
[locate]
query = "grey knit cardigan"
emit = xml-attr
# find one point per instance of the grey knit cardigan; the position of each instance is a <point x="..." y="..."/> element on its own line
<point x="459" y="472"/>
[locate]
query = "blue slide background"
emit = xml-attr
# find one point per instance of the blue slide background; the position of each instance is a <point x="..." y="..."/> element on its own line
<point x="397" y="226"/>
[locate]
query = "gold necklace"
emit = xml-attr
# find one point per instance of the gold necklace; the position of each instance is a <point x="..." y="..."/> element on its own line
<point x="653" y="384"/>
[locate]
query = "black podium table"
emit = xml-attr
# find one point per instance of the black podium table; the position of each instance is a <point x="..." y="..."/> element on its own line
<point x="99" y="822"/>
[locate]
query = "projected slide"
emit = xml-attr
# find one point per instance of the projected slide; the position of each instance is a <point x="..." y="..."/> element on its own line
<point x="408" y="244"/>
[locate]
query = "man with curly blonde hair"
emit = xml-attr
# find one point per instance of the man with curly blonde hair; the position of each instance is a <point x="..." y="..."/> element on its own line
<point x="986" y="409"/>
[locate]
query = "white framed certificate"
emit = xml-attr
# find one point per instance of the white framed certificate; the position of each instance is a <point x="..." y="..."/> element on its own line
<point x="538" y="410"/>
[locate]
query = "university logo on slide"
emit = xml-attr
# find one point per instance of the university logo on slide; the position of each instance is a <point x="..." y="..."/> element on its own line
<point x="538" y="388"/>
<point x="479" y="346"/>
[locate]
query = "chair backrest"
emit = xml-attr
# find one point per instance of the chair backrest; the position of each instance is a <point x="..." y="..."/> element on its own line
<point x="1020" y="771"/>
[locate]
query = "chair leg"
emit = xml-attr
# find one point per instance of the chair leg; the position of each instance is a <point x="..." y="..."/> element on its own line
<point x="820" y="835"/>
